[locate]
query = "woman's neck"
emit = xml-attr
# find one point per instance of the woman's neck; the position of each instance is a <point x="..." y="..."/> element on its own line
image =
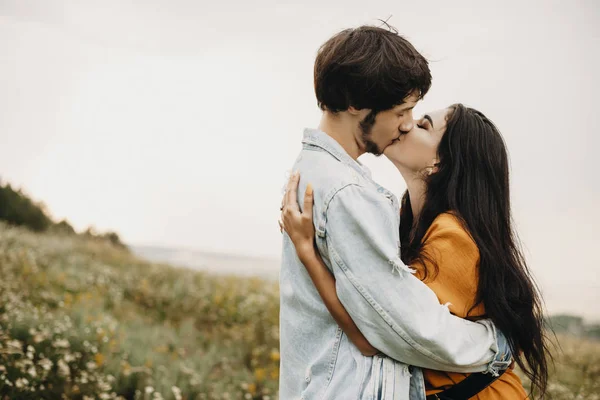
<point x="417" y="189"/>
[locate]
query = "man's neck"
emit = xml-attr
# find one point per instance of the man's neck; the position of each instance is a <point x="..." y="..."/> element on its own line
<point x="341" y="128"/>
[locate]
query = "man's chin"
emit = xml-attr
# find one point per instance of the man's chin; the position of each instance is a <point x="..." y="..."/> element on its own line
<point x="376" y="151"/>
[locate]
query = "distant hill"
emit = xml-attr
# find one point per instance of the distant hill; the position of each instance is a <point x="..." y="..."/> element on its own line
<point x="18" y="209"/>
<point x="218" y="263"/>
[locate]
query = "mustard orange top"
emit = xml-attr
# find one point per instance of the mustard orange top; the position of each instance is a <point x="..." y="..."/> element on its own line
<point x="457" y="258"/>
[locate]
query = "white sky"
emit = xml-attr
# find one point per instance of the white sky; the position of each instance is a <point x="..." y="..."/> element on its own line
<point x="173" y="122"/>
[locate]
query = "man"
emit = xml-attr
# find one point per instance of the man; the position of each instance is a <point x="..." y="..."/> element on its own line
<point x="367" y="81"/>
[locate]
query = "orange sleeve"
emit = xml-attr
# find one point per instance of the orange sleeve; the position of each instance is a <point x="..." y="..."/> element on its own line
<point x="456" y="256"/>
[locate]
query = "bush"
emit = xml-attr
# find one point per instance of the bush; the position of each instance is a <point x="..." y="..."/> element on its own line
<point x="17" y="208"/>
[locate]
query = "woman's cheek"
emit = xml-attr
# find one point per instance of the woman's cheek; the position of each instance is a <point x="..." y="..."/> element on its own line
<point x="394" y="151"/>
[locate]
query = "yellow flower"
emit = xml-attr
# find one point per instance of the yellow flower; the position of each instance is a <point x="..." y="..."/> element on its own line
<point x="218" y="299"/>
<point x="126" y="368"/>
<point x="274" y="355"/>
<point x="99" y="358"/>
<point x="161" y="349"/>
<point x="252" y="388"/>
<point x="260" y="374"/>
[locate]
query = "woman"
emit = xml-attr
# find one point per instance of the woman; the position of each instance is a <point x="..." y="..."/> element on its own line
<point x="456" y="233"/>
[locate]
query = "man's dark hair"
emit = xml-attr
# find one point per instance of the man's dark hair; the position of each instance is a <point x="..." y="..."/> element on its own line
<point x="368" y="68"/>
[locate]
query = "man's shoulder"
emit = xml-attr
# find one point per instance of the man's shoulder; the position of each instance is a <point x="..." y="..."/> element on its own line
<point x="325" y="172"/>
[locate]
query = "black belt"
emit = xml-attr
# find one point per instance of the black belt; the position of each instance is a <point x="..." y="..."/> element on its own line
<point x="467" y="388"/>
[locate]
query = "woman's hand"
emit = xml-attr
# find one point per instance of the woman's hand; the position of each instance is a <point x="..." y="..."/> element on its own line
<point x="298" y="225"/>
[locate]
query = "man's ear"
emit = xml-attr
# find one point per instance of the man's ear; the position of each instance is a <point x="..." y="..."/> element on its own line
<point x="353" y="111"/>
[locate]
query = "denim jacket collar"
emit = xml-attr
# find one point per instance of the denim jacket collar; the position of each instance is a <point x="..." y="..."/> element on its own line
<point x="318" y="138"/>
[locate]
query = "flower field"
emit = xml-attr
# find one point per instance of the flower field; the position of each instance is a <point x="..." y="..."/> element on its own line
<point x="82" y="319"/>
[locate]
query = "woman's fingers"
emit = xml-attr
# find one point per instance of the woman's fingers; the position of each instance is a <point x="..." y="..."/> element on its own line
<point x="291" y="201"/>
<point x="308" y="201"/>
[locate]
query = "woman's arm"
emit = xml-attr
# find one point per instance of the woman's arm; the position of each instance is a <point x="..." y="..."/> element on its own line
<point x="325" y="284"/>
<point x="300" y="228"/>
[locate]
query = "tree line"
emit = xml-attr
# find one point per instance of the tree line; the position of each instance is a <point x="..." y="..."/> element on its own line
<point x="17" y="208"/>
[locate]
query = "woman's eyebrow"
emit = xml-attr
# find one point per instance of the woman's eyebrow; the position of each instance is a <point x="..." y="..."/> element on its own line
<point x="428" y="118"/>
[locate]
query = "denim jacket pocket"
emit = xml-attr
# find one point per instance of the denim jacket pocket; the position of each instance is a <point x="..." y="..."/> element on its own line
<point x="389" y="380"/>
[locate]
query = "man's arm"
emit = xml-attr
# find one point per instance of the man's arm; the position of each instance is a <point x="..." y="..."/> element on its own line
<point x="396" y="312"/>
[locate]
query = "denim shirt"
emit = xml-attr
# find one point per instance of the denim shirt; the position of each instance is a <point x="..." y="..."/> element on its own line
<point x="357" y="235"/>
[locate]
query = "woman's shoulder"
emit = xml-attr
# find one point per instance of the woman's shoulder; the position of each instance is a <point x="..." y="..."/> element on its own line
<point x="449" y="230"/>
<point x="454" y="254"/>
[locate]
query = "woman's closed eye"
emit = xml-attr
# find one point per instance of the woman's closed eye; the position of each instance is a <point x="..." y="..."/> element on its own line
<point x="424" y="124"/>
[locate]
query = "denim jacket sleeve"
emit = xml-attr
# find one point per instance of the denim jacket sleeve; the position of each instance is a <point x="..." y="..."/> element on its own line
<point x="396" y="312"/>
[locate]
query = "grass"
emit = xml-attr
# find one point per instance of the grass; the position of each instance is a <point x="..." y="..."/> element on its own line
<point x="81" y="319"/>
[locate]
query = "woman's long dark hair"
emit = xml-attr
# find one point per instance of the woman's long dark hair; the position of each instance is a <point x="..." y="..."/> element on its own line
<point x="472" y="182"/>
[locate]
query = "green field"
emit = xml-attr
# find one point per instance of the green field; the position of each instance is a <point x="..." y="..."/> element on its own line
<point x="82" y="319"/>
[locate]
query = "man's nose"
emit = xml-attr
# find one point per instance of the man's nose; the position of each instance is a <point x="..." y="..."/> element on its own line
<point x="406" y="126"/>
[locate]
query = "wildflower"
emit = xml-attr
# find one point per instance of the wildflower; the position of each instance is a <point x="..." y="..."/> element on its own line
<point x="126" y="368"/>
<point x="176" y="392"/>
<point x="260" y="374"/>
<point x="38" y="337"/>
<point x="21" y="382"/>
<point x="275" y="373"/>
<point x="45" y="363"/>
<point x="252" y="388"/>
<point x="63" y="368"/>
<point x="61" y="343"/>
<point x="15" y="344"/>
<point x="99" y="359"/>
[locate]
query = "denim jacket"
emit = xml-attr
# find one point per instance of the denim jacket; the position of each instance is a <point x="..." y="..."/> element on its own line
<point x="357" y="234"/>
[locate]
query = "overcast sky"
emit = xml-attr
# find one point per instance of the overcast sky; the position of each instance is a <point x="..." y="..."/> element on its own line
<point x="174" y="122"/>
